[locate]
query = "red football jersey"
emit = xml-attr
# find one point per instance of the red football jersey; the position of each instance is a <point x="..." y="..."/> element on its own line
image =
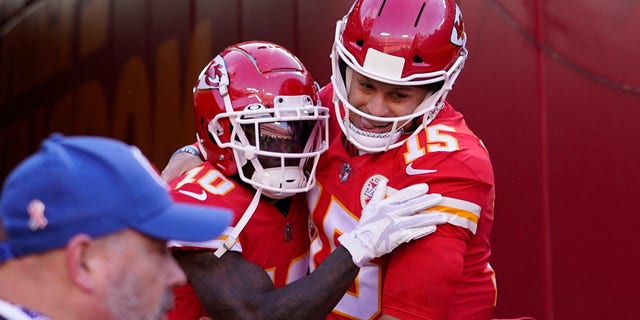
<point x="277" y="243"/>
<point x="445" y="275"/>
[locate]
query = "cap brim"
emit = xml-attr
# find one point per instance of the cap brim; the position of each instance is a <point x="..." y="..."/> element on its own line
<point x="187" y="222"/>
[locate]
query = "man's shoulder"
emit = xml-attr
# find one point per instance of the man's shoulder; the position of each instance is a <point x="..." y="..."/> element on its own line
<point x="208" y="186"/>
<point x="448" y="147"/>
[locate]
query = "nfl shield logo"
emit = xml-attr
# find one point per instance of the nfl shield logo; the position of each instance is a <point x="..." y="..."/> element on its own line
<point x="369" y="188"/>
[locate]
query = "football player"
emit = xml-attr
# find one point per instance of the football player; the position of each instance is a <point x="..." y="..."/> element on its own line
<point x="394" y="62"/>
<point x="260" y="132"/>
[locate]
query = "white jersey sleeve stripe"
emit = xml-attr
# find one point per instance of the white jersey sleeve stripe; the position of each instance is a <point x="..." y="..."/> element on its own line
<point x="459" y="213"/>
<point x="462" y="205"/>
<point x="210" y="244"/>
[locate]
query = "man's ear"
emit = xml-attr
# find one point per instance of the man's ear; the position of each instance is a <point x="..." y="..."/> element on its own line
<point x="78" y="260"/>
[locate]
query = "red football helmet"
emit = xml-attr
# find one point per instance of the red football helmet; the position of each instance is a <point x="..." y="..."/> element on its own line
<point x="256" y="114"/>
<point x="399" y="42"/>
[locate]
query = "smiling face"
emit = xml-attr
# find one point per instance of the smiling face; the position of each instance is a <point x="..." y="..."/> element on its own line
<point x="381" y="100"/>
<point x="376" y="39"/>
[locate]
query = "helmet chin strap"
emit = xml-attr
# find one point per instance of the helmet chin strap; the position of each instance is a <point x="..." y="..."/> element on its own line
<point x="248" y="213"/>
<point x="233" y="236"/>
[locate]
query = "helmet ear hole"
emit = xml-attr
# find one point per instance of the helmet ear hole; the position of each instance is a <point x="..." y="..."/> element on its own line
<point x="417" y="59"/>
<point x="203" y="128"/>
<point x="343" y="70"/>
<point x="434" y="87"/>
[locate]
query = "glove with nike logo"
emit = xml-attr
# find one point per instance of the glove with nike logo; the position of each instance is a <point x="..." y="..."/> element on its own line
<point x="387" y="223"/>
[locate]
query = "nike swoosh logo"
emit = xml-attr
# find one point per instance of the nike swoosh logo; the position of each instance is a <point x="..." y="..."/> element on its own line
<point x="412" y="172"/>
<point x="202" y="196"/>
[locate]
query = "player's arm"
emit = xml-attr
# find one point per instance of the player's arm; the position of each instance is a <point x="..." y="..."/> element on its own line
<point x="233" y="288"/>
<point x="181" y="161"/>
<point x="440" y="257"/>
<point x="429" y="292"/>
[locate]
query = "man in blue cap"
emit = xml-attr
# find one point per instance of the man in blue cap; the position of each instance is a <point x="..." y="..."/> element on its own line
<point x="83" y="229"/>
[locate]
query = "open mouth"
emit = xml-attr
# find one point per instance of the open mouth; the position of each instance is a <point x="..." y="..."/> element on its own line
<point x="371" y="126"/>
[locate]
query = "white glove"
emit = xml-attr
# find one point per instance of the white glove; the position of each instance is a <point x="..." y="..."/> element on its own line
<point x="388" y="223"/>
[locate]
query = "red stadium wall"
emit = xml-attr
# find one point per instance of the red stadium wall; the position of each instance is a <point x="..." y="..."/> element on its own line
<point x="552" y="87"/>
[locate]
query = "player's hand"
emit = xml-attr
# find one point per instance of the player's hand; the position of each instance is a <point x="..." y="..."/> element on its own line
<point x="179" y="164"/>
<point x="388" y="223"/>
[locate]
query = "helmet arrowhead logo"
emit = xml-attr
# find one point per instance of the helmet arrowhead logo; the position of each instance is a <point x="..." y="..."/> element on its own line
<point x="458" y="36"/>
<point x="215" y="74"/>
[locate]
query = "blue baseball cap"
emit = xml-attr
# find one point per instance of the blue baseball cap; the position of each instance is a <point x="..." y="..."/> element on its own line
<point x="96" y="186"/>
